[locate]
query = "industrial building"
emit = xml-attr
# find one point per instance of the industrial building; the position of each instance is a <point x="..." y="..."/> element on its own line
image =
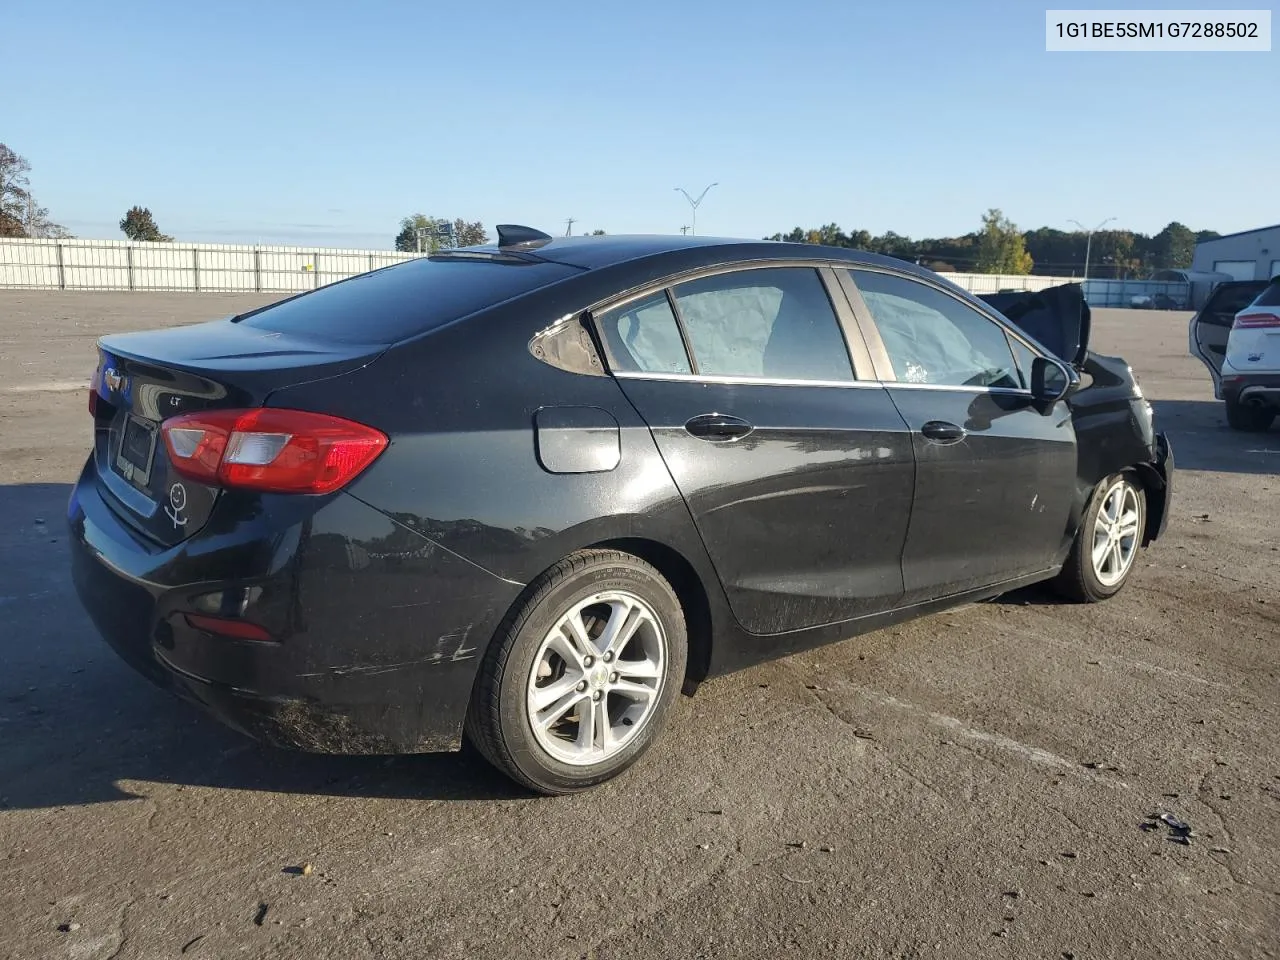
<point x="1250" y="255"/>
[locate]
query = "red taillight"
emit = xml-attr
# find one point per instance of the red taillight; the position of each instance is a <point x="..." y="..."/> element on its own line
<point x="1256" y="321"/>
<point x="94" y="384"/>
<point x="279" y="451"/>
<point x="227" y="627"/>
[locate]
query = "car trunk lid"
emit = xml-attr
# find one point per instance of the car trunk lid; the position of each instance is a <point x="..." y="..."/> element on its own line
<point x="142" y="379"/>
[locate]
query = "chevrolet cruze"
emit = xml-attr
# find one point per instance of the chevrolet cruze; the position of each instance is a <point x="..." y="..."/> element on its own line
<point x="528" y="492"/>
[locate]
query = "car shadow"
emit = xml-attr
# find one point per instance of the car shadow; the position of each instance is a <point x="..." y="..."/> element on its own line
<point x="1202" y="440"/>
<point x="1036" y="595"/>
<point x="78" y="727"/>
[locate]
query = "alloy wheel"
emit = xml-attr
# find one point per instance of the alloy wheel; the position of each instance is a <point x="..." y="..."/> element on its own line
<point x="596" y="678"/>
<point x="1115" y="533"/>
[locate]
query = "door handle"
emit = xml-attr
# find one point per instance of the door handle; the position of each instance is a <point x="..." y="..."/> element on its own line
<point x="718" y="427"/>
<point x="940" y="431"/>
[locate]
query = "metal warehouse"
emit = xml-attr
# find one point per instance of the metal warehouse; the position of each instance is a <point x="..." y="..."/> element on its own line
<point x="1250" y="255"/>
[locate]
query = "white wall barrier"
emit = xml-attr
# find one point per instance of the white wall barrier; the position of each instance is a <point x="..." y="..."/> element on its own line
<point x="125" y="265"/>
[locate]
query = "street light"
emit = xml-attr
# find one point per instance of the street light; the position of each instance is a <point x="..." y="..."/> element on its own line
<point x="1088" y="242"/>
<point x="694" y="204"/>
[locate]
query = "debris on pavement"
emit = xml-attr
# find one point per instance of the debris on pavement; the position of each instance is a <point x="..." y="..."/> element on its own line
<point x="798" y="844"/>
<point x="191" y="943"/>
<point x="68" y="927"/>
<point x="1179" y="831"/>
<point x="307" y="869"/>
<point x="261" y="915"/>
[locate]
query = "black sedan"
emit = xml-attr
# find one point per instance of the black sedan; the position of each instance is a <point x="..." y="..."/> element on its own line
<point x="527" y="492"/>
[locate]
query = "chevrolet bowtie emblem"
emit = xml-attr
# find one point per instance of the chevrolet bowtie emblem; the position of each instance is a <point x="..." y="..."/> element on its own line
<point x="112" y="379"/>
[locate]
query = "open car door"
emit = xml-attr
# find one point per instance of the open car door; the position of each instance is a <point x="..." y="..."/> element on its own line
<point x="1209" y="329"/>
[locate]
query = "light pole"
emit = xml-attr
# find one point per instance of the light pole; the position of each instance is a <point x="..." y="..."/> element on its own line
<point x="1088" y="241"/>
<point x="693" y="229"/>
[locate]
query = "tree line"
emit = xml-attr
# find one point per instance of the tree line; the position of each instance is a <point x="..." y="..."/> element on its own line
<point x="1001" y="247"/>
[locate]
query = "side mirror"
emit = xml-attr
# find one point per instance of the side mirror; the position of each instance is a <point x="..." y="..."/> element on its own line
<point x="1051" y="381"/>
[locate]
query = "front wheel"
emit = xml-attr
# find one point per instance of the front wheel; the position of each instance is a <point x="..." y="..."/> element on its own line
<point x="579" y="683"/>
<point x="1249" y="419"/>
<point x="1106" y="545"/>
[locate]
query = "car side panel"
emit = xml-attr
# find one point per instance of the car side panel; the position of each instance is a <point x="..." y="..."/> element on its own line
<point x="483" y="455"/>
<point x="993" y="505"/>
<point x="804" y="518"/>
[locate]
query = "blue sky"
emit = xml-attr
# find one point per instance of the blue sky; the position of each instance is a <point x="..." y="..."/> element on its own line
<point x="324" y="122"/>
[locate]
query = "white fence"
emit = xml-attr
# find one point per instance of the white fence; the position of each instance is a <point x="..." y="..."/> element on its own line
<point x="220" y="267"/>
<point x="124" y="265"/>
<point x="995" y="282"/>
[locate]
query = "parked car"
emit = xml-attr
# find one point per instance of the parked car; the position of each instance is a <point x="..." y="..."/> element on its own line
<point x="1155" y="301"/>
<point x="532" y="490"/>
<point x="1237" y="336"/>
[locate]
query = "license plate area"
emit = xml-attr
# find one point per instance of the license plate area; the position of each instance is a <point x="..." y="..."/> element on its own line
<point x="137" y="450"/>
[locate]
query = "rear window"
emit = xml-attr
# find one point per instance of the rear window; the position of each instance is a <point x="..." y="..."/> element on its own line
<point x="1269" y="297"/>
<point x="1231" y="298"/>
<point x="404" y="300"/>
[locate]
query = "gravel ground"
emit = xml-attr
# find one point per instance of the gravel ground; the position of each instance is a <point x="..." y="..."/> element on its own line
<point x="971" y="784"/>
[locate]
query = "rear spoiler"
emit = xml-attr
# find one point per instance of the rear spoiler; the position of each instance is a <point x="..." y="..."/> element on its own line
<point x="1057" y="318"/>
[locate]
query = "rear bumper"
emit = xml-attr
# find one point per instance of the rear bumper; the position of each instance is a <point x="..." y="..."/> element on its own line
<point x="1263" y="388"/>
<point x="377" y="631"/>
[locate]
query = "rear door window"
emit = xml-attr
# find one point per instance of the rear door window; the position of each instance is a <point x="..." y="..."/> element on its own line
<point x="644" y="337"/>
<point x="1269" y="297"/>
<point x="775" y="323"/>
<point x="402" y="301"/>
<point x="1226" y="301"/>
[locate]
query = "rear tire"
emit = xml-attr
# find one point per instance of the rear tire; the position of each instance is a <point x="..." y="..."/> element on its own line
<point x="577" y="684"/>
<point x="1249" y="419"/>
<point x="1106" y="546"/>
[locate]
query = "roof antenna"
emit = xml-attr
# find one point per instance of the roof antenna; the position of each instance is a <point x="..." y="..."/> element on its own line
<point x="515" y="235"/>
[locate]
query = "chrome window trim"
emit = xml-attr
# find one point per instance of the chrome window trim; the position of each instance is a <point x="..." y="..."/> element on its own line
<point x="1007" y="391"/>
<point x="743" y="381"/>
<point x="782" y="382"/>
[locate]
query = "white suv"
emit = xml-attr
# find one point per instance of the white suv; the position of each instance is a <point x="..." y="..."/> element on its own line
<point x="1237" y="335"/>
